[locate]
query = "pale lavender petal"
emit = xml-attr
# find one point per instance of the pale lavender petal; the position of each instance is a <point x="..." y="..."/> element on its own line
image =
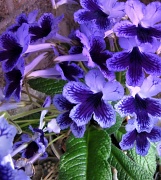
<point x="142" y="144"/>
<point x="61" y="103"/>
<point x="95" y="80"/>
<point x="151" y="86"/>
<point x="126" y="106"/>
<point x="23" y="36"/>
<point x="152" y="14"/>
<point x="105" y="115"/>
<point x="128" y="140"/>
<point x="155" y="134"/>
<point x="78" y="131"/>
<point x="127" y="43"/>
<point x="53" y="126"/>
<point x="134" y="9"/>
<point x="76" y="92"/>
<point x="112" y="91"/>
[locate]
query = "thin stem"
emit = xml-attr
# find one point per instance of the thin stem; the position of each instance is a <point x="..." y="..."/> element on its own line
<point x="54" y="149"/>
<point x="17" y="116"/>
<point x="59" y="137"/>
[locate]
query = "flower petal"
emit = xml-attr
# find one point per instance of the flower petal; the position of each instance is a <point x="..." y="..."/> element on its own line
<point x="125" y="29"/>
<point x="152" y="63"/>
<point x="61" y="103"/>
<point x="119" y="61"/>
<point x="64" y="120"/>
<point x="78" y="131"/>
<point x="112" y="91"/>
<point x="126" y="106"/>
<point x="82" y="16"/>
<point x="151" y="86"/>
<point x="76" y="92"/>
<point x="155" y="134"/>
<point x="134" y="10"/>
<point x="152" y="14"/>
<point x="128" y="140"/>
<point x="134" y="74"/>
<point x="81" y="114"/>
<point x="143" y="122"/>
<point x="70" y="72"/>
<point x="90" y="4"/>
<point x="142" y="144"/>
<point x="153" y="107"/>
<point x="97" y="44"/>
<point x="95" y="80"/>
<point x="105" y="115"/>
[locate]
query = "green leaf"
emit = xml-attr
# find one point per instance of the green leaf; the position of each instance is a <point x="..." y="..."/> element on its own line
<point x="116" y="126"/>
<point x="86" y="158"/>
<point x="147" y="162"/>
<point x="119" y="133"/>
<point x="47" y="86"/>
<point x="126" y="168"/>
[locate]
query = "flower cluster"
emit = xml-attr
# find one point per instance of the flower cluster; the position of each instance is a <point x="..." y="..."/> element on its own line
<point x="115" y="40"/>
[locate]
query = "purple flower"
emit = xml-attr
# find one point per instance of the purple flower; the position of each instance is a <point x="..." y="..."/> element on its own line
<point x="13" y="46"/>
<point x="7" y="173"/>
<point x="64" y="121"/>
<point x="96" y="53"/>
<point x="69" y="71"/>
<point x="145" y="21"/>
<point x="14" y="82"/>
<point x="91" y="99"/>
<point x="145" y="108"/>
<point x="46" y="27"/>
<point x="7" y="134"/>
<point x="36" y="144"/>
<point x="23" y="18"/>
<point x="141" y="140"/>
<point x="135" y="58"/>
<point x="104" y="14"/>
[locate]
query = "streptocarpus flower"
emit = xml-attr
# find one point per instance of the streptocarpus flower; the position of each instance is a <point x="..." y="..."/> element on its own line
<point x="7" y="134"/>
<point x="140" y="104"/>
<point x="46" y="27"/>
<point x="92" y="99"/>
<point x="34" y="144"/>
<point x="12" y="47"/>
<point x="140" y="140"/>
<point x="8" y="171"/>
<point x="145" y="21"/>
<point x="14" y="82"/>
<point x="23" y="18"/>
<point x="102" y="13"/>
<point x="64" y="121"/>
<point x="136" y="58"/>
<point x="69" y="71"/>
<point x="95" y="51"/>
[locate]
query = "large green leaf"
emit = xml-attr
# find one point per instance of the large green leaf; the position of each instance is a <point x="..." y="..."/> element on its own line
<point x="47" y="86"/>
<point x="127" y="169"/>
<point x="147" y="162"/>
<point x="86" y="158"/>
